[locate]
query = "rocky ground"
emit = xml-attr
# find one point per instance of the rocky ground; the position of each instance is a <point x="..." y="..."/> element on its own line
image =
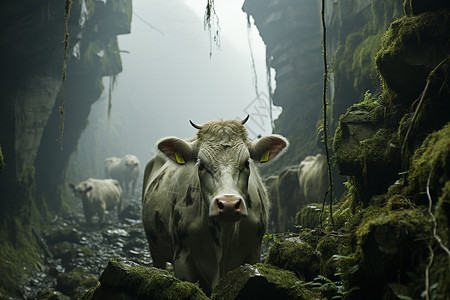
<point x="75" y="253"/>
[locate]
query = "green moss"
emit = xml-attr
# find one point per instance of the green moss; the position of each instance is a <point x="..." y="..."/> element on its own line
<point x="410" y="29"/>
<point x="328" y="247"/>
<point x="18" y="255"/>
<point x="141" y="282"/>
<point x="433" y="157"/>
<point x="261" y="281"/>
<point x="298" y="257"/>
<point x="425" y="34"/>
<point x="309" y="216"/>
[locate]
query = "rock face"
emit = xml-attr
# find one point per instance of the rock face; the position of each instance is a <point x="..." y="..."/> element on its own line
<point x="291" y="31"/>
<point x="293" y="35"/>
<point x="31" y="85"/>
<point x="393" y="220"/>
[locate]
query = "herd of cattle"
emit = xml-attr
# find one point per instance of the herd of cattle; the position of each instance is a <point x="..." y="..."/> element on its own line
<point x="100" y="195"/>
<point x="205" y="207"/>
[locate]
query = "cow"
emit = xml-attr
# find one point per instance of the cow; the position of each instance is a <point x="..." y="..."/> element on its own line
<point x="290" y="200"/>
<point x="205" y="207"/>
<point x="312" y="178"/>
<point x="98" y="195"/>
<point x="271" y="184"/>
<point x="125" y="170"/>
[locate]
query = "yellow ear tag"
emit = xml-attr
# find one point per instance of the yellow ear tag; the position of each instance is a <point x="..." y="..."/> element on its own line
<point x="179" y="158"/>
<point x="265" y="156"/>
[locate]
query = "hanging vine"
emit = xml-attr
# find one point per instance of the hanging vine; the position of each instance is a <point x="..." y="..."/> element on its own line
<point x="325" y="130"/>
<point x="61" y="108"/>
<point x="211" y="21"/>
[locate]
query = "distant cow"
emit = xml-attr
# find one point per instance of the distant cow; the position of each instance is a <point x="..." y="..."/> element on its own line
<point x="205" y="207"/>
<point x="98" y="195"/>
<point x="125" y="170"/>
<point x="289" y="198"/>
<point x="312" y="176"/>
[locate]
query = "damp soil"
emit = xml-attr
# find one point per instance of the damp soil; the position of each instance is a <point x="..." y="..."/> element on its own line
<point x="89" y="248"/>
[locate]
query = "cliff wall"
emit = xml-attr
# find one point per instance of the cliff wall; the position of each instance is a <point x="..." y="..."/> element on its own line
<point x="31" y="83"/>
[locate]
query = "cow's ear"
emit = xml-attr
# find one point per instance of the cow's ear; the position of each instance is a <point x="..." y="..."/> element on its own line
<point x="268" y="147"/>
<point x="176" y="149"/>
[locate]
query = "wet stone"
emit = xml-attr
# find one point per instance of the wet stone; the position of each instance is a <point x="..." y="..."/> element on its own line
<point x="63" y="234"/>
<point x="261" y="281"/>
<point x="124" y="279"/>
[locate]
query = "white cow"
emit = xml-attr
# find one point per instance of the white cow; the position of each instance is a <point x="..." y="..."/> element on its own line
<point x="125" y="170"/>
<point x="205" y="207"/>
<point x="98" y="195"/>
<point x="312" y="176"/>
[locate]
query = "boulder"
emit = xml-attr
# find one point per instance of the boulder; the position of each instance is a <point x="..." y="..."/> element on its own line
<point x="261" y="281"/>
<point x="295" y="255"/>
<point x="124" y="279"/>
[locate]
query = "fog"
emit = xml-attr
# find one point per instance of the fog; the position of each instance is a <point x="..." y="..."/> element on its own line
<point x="173" y="73"/>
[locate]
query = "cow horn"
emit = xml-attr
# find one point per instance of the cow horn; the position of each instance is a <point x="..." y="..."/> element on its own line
<point x="245" y="120"/>
<point x="195" y="125"/>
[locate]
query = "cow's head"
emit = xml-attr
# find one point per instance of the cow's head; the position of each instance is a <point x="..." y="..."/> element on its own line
<point x="130" y="161"/>
<point x="224" y="157"/>
<point x="81" y="190"/>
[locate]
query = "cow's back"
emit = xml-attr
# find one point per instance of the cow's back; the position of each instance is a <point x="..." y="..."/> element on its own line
<point x="107" y="191"/>
<point x="312" y="178"/>
<point x="111" y="167"/>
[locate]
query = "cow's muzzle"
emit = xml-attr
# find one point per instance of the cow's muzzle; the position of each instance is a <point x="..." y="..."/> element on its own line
<point x="228" y="208"/>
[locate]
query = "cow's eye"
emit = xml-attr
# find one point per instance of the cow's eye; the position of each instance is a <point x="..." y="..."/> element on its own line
<point x="201" y="166"/>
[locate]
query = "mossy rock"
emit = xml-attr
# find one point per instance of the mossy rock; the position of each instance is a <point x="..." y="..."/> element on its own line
<point x="309" y="216"/>
<point x="391" y="245"/>
<point x="296" y="256"/>
<point x="329" y="246"/>
<point x="132" y="281"/>
<point x="416" y="7"/>
<point x="261" y="281"/>
<point x="364" y="149"/>
<point x="411" y="48"/>
<point x="431" y="159"/>
<point x="64" y="234"/>
<point x="75" y="283"/>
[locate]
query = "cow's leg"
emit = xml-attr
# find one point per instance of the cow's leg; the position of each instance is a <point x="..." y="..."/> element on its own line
<point x="101" y="216"/>
<point x="133" y="187"/>
<point x="159" y="263"/>
<point x="186" y="269"/>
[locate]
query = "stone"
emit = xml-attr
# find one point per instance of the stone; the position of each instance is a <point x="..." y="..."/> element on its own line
<point x="295" y="255"/>
<point x="261" y="281"/>
<point x="124" y="279"/>
<point x="63" y="234"/>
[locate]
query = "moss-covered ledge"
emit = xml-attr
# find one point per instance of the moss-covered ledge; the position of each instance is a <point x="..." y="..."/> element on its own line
<point x="133" y="281"/>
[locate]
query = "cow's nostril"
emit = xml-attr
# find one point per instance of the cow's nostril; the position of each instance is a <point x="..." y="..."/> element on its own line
<point x="220" y="205"/>
<point x="238" y="204"/>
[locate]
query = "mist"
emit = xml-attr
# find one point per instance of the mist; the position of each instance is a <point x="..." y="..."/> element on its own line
<point x="172" y="73"/>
